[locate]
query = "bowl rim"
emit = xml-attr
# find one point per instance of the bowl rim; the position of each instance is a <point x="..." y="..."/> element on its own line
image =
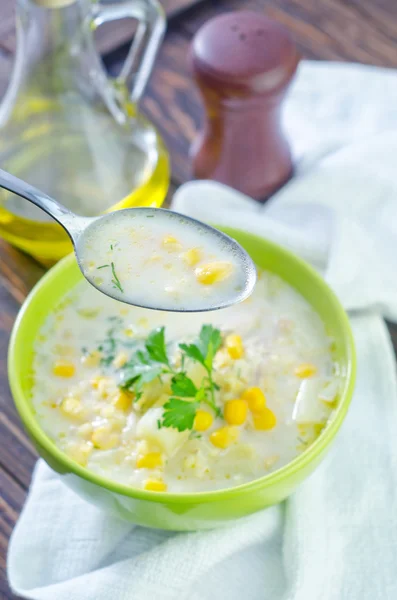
<point x="33" y="428"/>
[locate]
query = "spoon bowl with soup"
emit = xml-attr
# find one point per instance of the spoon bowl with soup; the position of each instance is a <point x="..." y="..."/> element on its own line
<point x="151" y="258"/>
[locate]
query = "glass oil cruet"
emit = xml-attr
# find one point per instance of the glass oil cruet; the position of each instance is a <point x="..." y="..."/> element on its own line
<point x="70" y="129"/>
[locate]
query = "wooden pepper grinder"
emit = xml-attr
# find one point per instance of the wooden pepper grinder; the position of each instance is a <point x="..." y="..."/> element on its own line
<point x="243" y="63"/>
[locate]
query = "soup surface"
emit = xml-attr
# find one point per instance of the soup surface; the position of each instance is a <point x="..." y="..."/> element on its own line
<point x="150" y="258"/>
<point x="184" y="402"/>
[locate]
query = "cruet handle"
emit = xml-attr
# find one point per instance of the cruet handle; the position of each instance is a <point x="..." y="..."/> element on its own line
<point x="138" y="64"/>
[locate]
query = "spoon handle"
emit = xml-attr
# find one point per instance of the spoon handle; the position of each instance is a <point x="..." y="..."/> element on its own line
<point x="72" y="223"/>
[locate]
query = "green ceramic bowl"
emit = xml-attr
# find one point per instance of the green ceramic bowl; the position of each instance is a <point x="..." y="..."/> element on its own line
<point x="182" y="511"/>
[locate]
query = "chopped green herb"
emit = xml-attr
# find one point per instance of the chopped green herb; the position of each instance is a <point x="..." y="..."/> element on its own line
<point x="115" y="280"/>
<point x="111" y="246"/>
<point x="106" y="361"/>
<point x="108" y="346"/>
<point x="302" y="441"/>
<point x="116" y="319"/>
<point x="88" y="313"/>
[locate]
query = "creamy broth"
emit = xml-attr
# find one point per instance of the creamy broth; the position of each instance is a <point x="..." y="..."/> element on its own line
<point x="156" y="260"/>
<point x="276" y="385"/>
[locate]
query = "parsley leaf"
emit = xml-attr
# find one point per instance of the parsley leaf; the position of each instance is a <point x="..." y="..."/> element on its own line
<point x="146" y="377"/>
<point x="210" y="341"/>
<point x="179" y="414"/>
<point x="134" y="377"/>
<point x="151" y="362"/>
<point x="146" y="365"/>
<point x="183" y="386"/>
<point x="155" y="346"/>
<point x="130" y="373"/>
<point x="142" y="357"/>
<point x="193" y="352"/>
<point x="204" y="350"/>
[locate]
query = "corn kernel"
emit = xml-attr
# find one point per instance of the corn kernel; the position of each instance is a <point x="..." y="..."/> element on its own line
<point x="255" y="399"/>
<point x="80" y="452"/>
<point x="224" y="437"/>
<point x="214" y="272"/>
<point x="305" y="370"/>
<point x="235" y="412"/>
<point x="149" y="461"/>
<point x="92" y="359"/>
<point x="63" y="368"/>
<point x="234" y="346"/>
<point x="88" y="313"/>
<point x="192" y="257"/>
<point x="123" y="400"/>
<point x="72" y="407"/>
<point x="155" y="485"/>
<point x="171" y="243"/>
<point x="154" y="258"/>
<point x="103" y="439"/>
<point x="264" y="420"/>
<point x="203" y="420"/>
<point x="120" y="360"/>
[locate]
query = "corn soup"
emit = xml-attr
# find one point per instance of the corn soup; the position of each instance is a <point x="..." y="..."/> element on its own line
<point x="181" y="402"/>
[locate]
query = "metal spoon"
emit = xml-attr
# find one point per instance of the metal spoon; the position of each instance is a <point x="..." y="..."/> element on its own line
<point x="79" y="227"/>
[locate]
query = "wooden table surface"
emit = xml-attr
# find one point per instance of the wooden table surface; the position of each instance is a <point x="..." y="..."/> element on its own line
<point x="345" y="30"/>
